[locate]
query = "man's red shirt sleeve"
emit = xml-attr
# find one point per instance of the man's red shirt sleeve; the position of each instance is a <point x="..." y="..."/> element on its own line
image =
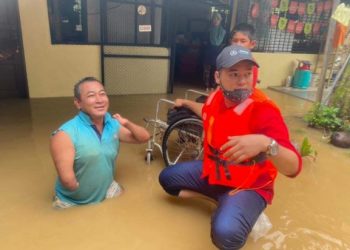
<point x="269" y="121"/>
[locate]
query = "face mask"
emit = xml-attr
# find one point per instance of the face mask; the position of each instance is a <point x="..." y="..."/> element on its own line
<point x="238" y="95"/>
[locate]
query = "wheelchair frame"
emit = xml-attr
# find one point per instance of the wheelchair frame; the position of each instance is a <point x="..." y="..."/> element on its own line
<point x="160" y="128"/>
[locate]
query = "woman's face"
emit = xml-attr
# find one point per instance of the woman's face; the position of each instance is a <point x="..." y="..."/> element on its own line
<point x="216" y="21"/>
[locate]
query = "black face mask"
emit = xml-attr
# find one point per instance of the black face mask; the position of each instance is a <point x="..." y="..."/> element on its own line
<point x="238" y="95"/>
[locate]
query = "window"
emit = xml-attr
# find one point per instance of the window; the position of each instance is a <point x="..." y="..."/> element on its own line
<point x="125" y="22"/>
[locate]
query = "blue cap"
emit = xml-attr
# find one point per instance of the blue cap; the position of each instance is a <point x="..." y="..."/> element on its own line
<point x="231" y="55"/>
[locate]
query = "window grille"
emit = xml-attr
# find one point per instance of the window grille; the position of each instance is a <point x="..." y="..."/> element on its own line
<point x="127" y="22"/>
<point x="297" y="26"/>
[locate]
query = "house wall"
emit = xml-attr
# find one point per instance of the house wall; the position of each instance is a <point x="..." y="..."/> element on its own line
<point x="149" y="75"/>
<point x="276" y="67"/>
<point x="53" y="69"/>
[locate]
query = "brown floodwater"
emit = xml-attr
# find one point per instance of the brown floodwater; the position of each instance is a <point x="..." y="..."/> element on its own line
<point x="311" y="211"/>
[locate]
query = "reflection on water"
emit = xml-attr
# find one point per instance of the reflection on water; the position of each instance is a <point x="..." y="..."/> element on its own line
<point x="302" y="238"/>
<point x="308" y="212"/>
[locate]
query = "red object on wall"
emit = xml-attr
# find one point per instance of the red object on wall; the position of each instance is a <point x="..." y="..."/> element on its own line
<point x="274" y="21"/>
<point x="301" y="9"/>
<point x="339" y="35"/>
<point x="304" y="65"/>
<point x="299" y="28"/>
<point x="316" y="29"/>
<point x="255" y="10"/>
<point x="274" y="3"/>
<point x="291" y="26"/>
<point x="327" y="5"/>
<point x="293" y="7"/>
<point x="319" y="8"/>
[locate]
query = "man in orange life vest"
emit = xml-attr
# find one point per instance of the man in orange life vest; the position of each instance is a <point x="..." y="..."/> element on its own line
<point x="246" y="142"/>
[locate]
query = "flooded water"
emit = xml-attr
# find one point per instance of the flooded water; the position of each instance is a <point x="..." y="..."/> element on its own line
<point x="311" y="211"/>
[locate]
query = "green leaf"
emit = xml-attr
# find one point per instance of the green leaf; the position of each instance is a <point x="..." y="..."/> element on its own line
<point x="306" y="149"/>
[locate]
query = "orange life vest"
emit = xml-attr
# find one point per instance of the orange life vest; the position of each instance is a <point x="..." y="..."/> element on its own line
<point x="219" y="123"/>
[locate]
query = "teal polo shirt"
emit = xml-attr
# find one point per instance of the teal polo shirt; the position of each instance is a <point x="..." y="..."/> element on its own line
<point x="94" y="161"/>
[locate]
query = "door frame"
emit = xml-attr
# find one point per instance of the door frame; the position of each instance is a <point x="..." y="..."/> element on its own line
<point x="21" y="82"/>
<point x="172" y="32"/>
<point x="23" y="88"/>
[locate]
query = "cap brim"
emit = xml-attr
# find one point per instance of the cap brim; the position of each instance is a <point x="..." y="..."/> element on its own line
<point x="229" y="65"/>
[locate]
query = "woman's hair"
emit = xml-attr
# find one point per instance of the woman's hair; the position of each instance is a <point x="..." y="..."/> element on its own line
<point x="216" y="15"/>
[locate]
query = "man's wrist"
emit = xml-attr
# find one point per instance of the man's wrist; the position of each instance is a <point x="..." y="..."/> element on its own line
<point x="126" y="123"/>
<point x="272" y="148"/>
<point x="185" y="103"/>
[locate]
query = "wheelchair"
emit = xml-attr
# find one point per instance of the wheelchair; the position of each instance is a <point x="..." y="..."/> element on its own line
<point x="180" y="137"/>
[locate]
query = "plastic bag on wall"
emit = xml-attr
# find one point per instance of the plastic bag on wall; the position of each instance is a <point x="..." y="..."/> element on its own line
<point x="293" y="7"/>
<point x="274" y="21"/>
<point x="282" y="23"/>
<point x="342" y="14"/>
<point x="291" y="26"/>
<point x="307" y="28"/>
<point x="274" y="3"/>
<point x="311" y="8"/>
<point x="284" y="5"/>
<point x="255" y="10"/>
<point x="316" y="29"/>
<point x="299" y="28"/>
<point x="327" y="6"/>
<point x="319" y="8"/>
<point x="301" y="9"/>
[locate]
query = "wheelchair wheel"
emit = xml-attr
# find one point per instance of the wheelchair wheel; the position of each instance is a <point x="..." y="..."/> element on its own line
<point x="182" y="141"/>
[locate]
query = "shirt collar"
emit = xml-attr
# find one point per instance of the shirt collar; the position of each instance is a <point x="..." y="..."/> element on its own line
<point x="87" y="120"/>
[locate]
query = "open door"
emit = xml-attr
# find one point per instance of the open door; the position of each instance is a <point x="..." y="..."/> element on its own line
<point x="189" y="23"/>
<point x="13" y="81"/>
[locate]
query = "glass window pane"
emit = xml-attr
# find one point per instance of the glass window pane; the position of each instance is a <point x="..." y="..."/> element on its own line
<point x="127" y="22"/>
<point x="120" y="23"/>
<point x="145" y="27"/>
<point x="157" y="25"/>
<point x="144" y="1"/>
<point x="93" y="21"/>
<point x="67" y="21"/>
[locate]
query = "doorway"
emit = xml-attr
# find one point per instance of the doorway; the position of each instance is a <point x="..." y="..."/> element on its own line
<point x="191" y="22"/>
<point x="13" y="82"/>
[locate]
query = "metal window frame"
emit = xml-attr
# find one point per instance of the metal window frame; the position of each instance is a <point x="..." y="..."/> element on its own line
<point x="103" y="33"/>
<point x="246" y="5"/>
<point x="163" y="38"/>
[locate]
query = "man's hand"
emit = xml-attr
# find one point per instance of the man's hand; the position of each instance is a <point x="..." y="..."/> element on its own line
<point x="192" y="105"/>
<point x="71" y="185"/>
<point x="123" y="121"/>
<point x="130" y="132"/>
<point x="244" y="147"/>
<point x="180" y="102"/>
